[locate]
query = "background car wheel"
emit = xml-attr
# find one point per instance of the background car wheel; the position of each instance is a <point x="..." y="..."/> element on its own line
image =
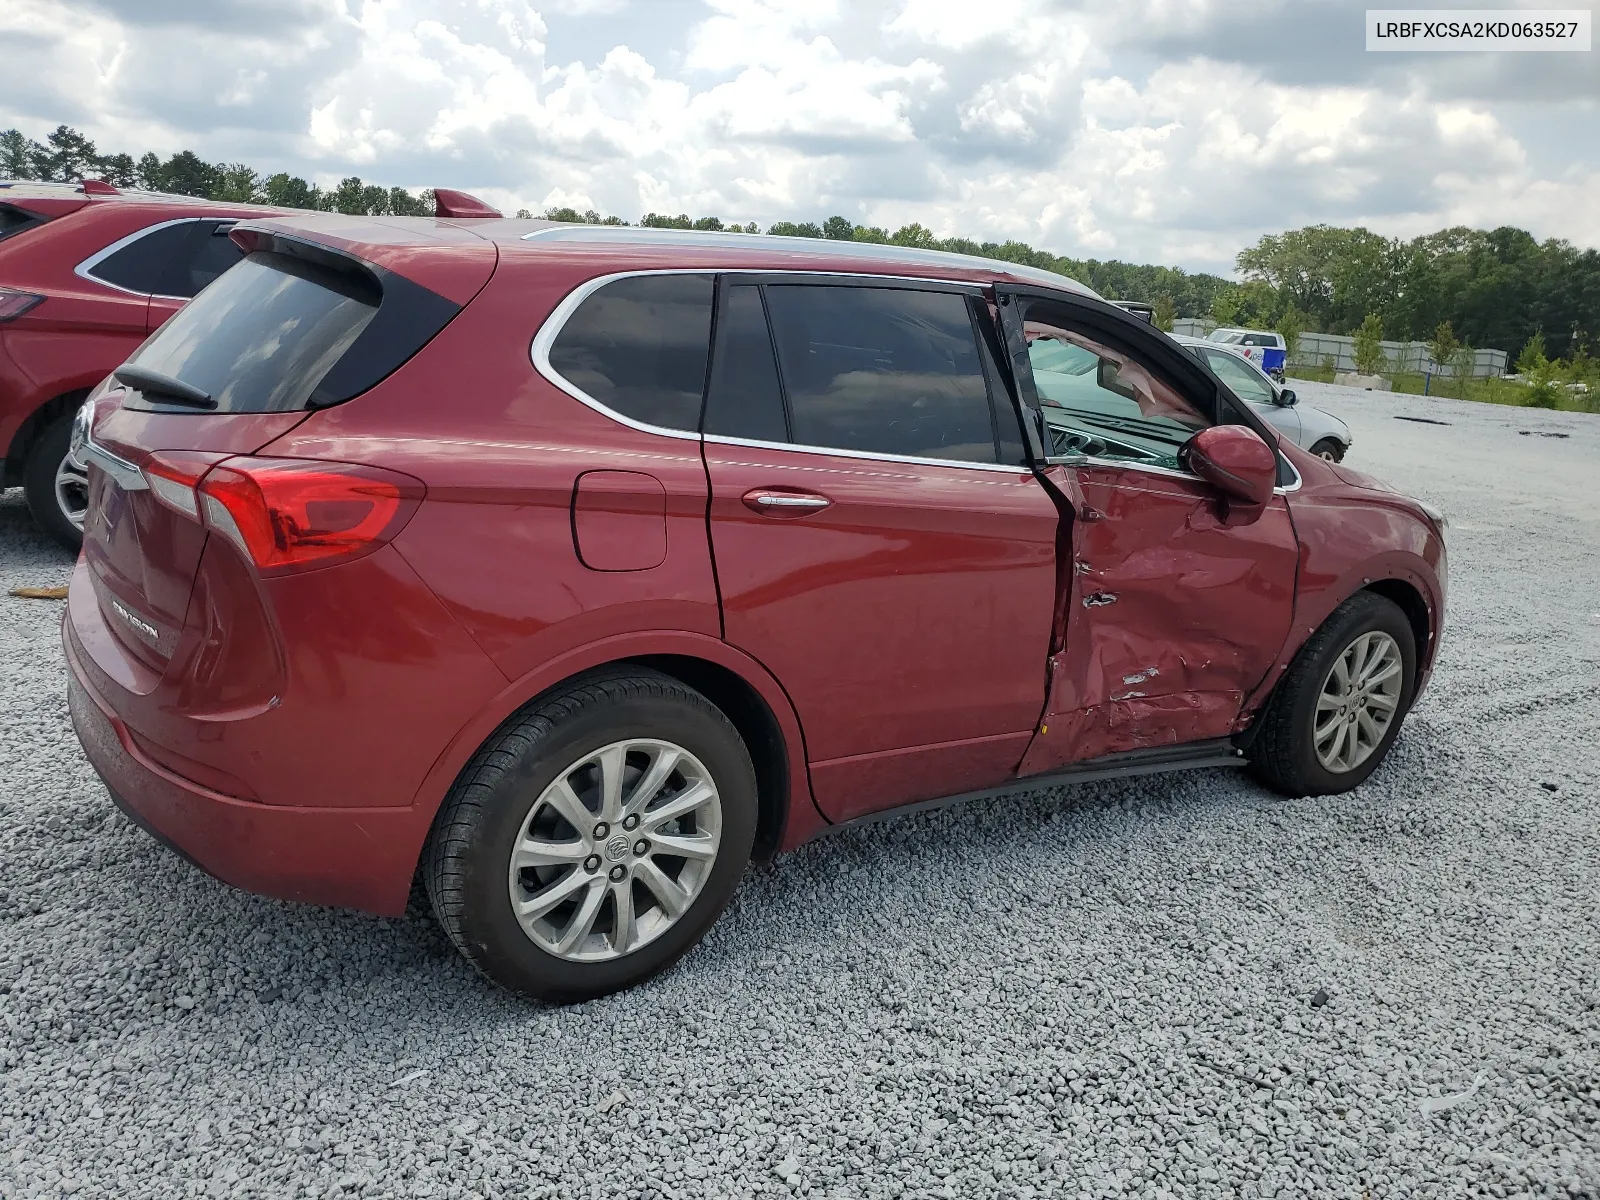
<point x="1329" y="449"/>
<point x="56" y="487"/>
<point x="1338" y="709"/>
<point x="594" y="838"/>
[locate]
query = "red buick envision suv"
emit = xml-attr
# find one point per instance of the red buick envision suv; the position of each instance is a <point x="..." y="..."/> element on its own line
<point x="570" y="567"/>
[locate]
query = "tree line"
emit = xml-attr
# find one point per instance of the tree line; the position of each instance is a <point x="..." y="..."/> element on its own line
<point x="1459" y="287"/>
<point x="67" y="156"/>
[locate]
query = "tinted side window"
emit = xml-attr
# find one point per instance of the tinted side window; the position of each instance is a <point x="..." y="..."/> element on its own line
<point x="744" y="399"/>
<point x="639" y="346"/>
<point x="1242" y="380"/>
<point x="882" y="370"/>
<point x="209" y="253"/>
<point x="143" y="264"/>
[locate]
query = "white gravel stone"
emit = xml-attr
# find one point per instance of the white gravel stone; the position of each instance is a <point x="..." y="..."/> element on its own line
<point x="1100" y="991"/>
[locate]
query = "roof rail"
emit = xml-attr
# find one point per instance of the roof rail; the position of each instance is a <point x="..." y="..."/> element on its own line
<point x="448" y="203"/>
<point x="99" y="187"/>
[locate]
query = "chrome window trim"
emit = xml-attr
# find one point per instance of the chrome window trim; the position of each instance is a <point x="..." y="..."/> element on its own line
<point x="1089" y="460"/>
<point x="84" y="270"/>
<point x="562" y="313"/>
<point x="869" y="455"/>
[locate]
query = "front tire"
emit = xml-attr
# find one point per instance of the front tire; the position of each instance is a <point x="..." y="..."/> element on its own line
<point x="1329" y="450"/>
<point x="594" y="838"/>
<point x="56" y="487"/>
<point x="1338" y="709"/>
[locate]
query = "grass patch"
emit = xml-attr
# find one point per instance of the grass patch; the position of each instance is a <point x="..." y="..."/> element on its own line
<point x="1490" y="390"/>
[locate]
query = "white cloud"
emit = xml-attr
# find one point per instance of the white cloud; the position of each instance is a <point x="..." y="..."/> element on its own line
<point x="1074" y="128"/>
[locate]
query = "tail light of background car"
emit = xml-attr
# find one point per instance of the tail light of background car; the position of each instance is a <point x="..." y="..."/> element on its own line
<point x="286" y="514"/>
<point x="14" y="303"/>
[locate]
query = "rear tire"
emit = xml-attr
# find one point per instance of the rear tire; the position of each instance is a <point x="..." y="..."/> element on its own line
<point x="57" y="495"/>
<point x="1329" y="449"/>
<point x="503" y="846"/>
<point x="1291" y="752"/>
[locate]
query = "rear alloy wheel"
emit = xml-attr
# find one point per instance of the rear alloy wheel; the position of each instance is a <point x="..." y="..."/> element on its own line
<point x="1329" y="450"/>
<point x="57" y="485"/>
<point x="616" y="850"/>
<point x="1338" y="709"/>
<point x="594" y="838"/>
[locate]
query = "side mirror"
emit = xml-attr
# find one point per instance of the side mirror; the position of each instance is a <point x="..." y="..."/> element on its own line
<point x="1232" y="459"/>
<point x="1287" y="398"/>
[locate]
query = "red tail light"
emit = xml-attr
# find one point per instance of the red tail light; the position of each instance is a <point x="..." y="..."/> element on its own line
<point x="14" y="303"/>
<point x="288" y="515"/>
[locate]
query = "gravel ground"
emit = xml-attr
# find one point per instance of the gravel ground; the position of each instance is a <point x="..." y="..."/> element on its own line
<point x="1167" y="986"/>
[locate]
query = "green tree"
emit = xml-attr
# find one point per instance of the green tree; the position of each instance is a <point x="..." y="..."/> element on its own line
<point x="1225" y="306"/>
<point x="806" y="229"/>
<point x="1165" y="313"/>
<point x="185" y="174"/>
<point x="870" y="233"/>
<point x="916" y="236"/>
<point x="839" y="229"/>
<point x="149" y="171"/>
<point x="711" y="224"/>
<point x="118" y="170"/>
<point x="1290" y="326"/>
<point x="237" y="184"/>
<point x="17" y="155"/>
<point x="1369" y="355"/>
<point x="661" y="221"/>
<point x="1443" y="345"/>
<point x="1463" y="361"/>
<point x="288" y="191"/>
<point x="1533" y="355"/>
<point x="67" y="157"/>
<point x="403" y="204"/>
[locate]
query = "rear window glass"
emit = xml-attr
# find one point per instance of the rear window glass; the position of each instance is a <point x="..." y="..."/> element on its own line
<point x="264" y="336"/>
<point x="639" y="346"/>
<point x="14" y="220"/>
<point x="882" y="370"/>
<point x="144" y="264"/>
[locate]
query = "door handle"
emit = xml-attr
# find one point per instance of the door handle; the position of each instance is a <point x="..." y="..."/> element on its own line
<point x="784" y="504"/>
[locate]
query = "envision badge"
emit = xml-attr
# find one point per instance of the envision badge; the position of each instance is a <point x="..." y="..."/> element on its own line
<point x="143" y="628"/>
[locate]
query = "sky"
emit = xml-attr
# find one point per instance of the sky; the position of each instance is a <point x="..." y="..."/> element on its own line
<point x="1166" y="131"/>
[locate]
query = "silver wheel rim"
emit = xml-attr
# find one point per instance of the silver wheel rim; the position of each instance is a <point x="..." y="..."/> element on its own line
<point x="616" y="850"/>
<point x="72" y="490"/>
<point x="1358" y="702"/>
<point x="1328" y="455"/>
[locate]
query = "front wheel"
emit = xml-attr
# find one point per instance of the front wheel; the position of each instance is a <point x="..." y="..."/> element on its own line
<point x="1329" y="450"/>
<point x="594" y="838"/>
<point x="1338" y="709"/>
<point x="56" y="485"/>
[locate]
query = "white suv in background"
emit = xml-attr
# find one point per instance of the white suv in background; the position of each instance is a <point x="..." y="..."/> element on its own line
<point x="1310" y="428"/>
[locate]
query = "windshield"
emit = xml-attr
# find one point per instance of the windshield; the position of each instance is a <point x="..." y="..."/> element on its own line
<point x="263" y="335"/>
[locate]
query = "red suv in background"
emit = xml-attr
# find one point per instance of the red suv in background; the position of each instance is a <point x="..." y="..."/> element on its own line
<point x="86" y="272"/>
<point x="573" y="566"/>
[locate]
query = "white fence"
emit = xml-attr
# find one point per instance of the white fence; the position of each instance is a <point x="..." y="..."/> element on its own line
<point x="1315" y="348"/>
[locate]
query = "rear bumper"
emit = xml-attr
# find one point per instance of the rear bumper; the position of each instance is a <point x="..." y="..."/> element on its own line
<point x="348" y="858"/>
